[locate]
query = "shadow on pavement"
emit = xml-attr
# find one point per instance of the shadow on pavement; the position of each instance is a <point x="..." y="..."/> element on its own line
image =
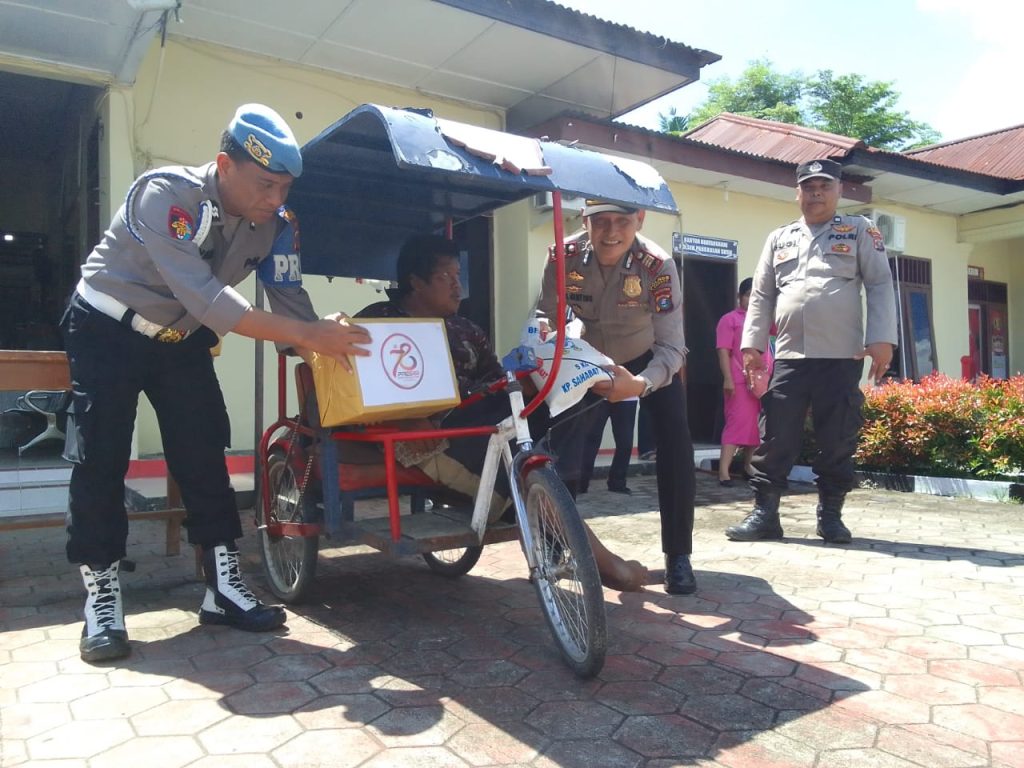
<point x="413" y="657"/>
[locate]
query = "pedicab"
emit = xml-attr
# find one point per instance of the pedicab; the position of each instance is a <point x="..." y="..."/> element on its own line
<point x="371" y="179"/>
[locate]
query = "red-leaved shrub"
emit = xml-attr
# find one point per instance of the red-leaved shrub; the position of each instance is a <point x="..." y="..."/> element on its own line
<point x="944" y="426"/>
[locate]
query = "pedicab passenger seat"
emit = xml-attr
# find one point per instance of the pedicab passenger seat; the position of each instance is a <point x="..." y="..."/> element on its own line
<point x="365" y="479"/>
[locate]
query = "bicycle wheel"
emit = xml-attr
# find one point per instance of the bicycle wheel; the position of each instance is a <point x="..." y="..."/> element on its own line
<point x="289" y="562"/>
<point x="453" y="562"/>
<point x="565" y="577"/>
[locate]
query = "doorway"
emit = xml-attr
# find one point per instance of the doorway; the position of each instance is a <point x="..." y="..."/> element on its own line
<point x="475" y="239"/>
<point x="49" y="210"/>
<point x="709" y="291"/>
<point x="988" y="307"/>
<point x="49" y="218"/>
<point x="974" y="335"/>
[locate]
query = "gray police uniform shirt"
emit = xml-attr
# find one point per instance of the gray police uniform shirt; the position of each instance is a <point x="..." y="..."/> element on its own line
<point x="173" y="255"/>
<point x="633" y="307"/>
<point x="808" y="282"/>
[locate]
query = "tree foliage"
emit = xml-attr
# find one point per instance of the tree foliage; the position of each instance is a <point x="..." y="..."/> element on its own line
<point x="759" y="92"/>
<point x="865" y="110"/>
<point x="673" y="122"/>
<point x="843" y="104"/>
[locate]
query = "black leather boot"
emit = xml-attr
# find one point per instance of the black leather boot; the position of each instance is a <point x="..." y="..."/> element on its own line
<point x="830" y="518"/>
<point x="104" y="636"/>
<point x="762" y="522"/>
<point x="228" y="600"/>
<point x="679" y="578"/>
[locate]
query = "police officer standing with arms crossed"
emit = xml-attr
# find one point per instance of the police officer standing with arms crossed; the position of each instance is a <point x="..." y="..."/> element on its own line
<point x="155" y="294"/>
<point x="808" y="281"/>
<point x="626" y="290"/>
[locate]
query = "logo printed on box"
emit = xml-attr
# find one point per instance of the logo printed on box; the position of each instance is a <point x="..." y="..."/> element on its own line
<point x="402" y="361"/>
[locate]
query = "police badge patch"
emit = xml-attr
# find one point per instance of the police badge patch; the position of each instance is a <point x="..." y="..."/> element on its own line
<point x="631" y="286"/>
<point x="663" y="299"/>
<point x="876" y="238"/>
<point x="180" y="224"/>
<point x="258" y="150"/>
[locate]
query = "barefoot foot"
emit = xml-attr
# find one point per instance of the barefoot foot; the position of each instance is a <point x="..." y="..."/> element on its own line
<point x="624" y="575"/>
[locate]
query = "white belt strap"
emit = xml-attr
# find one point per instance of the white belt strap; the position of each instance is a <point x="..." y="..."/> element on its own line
<point x="111" y="307"/>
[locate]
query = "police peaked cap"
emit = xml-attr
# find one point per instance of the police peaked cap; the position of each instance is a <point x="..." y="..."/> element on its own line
<point x="825" y="169"/>
<point x="590" y="207"/>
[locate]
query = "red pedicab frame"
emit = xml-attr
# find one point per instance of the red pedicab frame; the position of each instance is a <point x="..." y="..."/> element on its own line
<point x="370" y="180"/>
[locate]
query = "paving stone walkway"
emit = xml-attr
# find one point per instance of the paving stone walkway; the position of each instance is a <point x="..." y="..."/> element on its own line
<point x="904" y="648"/>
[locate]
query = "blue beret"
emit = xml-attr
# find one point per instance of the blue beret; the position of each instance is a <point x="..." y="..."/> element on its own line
<point x="267" y="138"/>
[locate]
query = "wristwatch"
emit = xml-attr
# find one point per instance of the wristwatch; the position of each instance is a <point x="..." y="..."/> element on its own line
<point x="648" y="387"/>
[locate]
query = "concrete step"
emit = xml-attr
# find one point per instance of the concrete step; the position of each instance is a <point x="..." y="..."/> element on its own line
<point x="150" y="493"/>
<point x="44" y="490"/>
<point x="33" y="491"/>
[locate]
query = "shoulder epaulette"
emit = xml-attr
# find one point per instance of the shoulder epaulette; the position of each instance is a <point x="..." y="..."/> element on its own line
<point x="574" y="246"/>
<point x="652" y="259"/>
<point x="139" y="184"/>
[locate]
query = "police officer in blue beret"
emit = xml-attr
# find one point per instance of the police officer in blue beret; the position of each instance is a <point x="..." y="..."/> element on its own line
<point x="156" y="294"/>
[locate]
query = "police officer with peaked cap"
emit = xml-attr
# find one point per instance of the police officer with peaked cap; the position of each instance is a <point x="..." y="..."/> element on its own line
<point x="808" y="282"/>
<point x="155" y="295"/>
<point x="626" y="290"/>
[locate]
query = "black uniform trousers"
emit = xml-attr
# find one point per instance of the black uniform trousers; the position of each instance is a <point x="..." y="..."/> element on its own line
<point x="623" y="416"/>
<point x="830" y="387"/>
<point x="677" y="482"/>
<point x="110" y="365"/>
<point x="666" y="411"/>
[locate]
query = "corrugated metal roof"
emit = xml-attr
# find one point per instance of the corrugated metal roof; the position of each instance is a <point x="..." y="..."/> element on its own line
<point x="999" y="153"/>
<point x="771" y="140"/>
<point x="752" y="152"/>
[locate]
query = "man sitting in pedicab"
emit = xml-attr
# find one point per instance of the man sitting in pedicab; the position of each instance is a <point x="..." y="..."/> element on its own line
<point x="427" y="277"/>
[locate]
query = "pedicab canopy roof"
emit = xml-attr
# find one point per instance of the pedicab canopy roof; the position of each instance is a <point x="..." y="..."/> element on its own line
<point x="378" y="175"/>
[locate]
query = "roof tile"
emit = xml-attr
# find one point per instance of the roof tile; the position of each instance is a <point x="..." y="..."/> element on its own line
<point x="998" y="153"/>
<point x="772" y="140"/>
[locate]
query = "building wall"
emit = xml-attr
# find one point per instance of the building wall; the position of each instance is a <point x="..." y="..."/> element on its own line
<point x="1015" y="257"/>
<point x="933" y="236"/>
<point x="749" y="219"/>
<point x="183" y="98"/>
<point x="186" y="92"/>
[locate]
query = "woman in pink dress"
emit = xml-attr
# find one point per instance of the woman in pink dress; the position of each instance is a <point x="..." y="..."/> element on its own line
<point x="742" y="408"/>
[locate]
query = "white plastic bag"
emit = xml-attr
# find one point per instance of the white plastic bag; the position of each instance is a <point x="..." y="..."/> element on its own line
<point x="581" y="368"/>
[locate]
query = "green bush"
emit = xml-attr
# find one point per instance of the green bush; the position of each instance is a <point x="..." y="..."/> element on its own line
<point x="946" y="427"/>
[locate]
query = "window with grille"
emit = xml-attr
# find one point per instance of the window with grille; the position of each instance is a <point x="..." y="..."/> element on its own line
<point x="916" y="356"/>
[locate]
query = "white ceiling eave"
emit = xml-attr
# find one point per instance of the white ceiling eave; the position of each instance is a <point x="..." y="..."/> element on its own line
<point x="435" y="49"/>
<point x="529" y="74"/>
<point x="93" y="41"/>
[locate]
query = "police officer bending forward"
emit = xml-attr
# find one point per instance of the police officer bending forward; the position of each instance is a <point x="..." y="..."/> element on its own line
<point x="626" y="291"/>
<point x="154" y="296"/>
